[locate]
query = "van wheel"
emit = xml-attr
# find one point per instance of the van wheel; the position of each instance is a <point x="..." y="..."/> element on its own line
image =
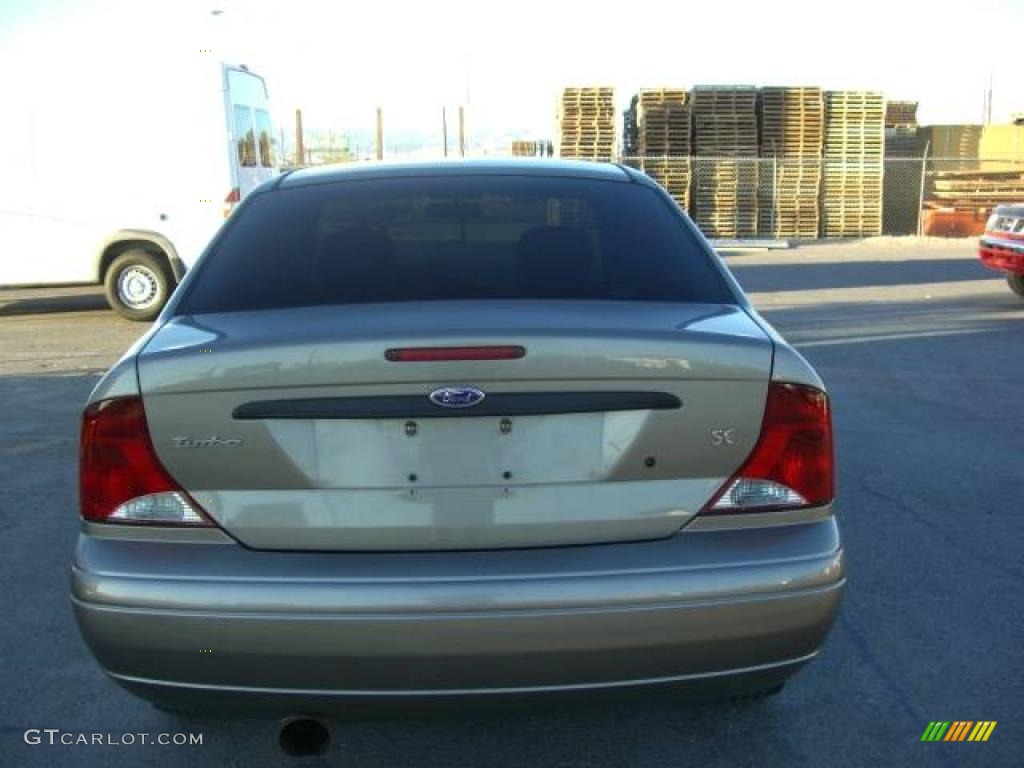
<point x="138" y="285"/>
<point x="1016" y="283"/>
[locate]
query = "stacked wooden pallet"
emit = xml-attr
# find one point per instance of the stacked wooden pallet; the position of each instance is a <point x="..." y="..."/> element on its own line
<point x="586" y="123"/>
<point x="629" y="137"/>
<point x="901" y="182"/>
<point x="851" y="201"/>
<point x="675" y="174"/>
<point x="665" y="140"/>
<point x="725" y="148"/>
<point x="901" y="129"/>
<point x="522" y="148"/>
<point x="900" y="113"/>
<point x="663" y="123"/>
<point x="792" y="135"/>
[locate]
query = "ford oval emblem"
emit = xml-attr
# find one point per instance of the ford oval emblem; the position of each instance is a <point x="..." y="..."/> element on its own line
<point x="456" y="397"/>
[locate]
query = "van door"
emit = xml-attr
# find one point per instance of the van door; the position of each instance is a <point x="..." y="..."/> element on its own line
<point x="244" y="131"/>
<point x="253" y="156"/>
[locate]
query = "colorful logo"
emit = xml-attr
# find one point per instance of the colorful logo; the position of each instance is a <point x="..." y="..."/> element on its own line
<point x="959" y="730"/>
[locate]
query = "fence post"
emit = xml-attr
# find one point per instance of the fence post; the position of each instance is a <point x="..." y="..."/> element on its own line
<point x="920" y="197"/>
<point x="444" y="129"/>
<point x="462" y="131"/>
<point x="775" y="189"/>
<point x="300" y="142"/>
<point x="380" y="134"/>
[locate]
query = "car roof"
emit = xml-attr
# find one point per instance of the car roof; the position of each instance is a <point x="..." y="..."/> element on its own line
<point x="1010" y="209"/>
<point x="475" y="167"/>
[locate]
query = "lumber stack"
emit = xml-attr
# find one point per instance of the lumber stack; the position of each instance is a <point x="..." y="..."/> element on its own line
<point x="851" y="200"/>
<point x="792" y="135"/>
<point x="586" y="123"/>
<point x="980" y="167"/>
<point x="972" y="189"/>
<point x="665" y="140"/>
<point x="726" y="168"/>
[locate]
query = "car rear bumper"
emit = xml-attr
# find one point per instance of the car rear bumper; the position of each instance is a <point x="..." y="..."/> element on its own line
<point x="1002" y="254"/>
<point x="725" y="610"/>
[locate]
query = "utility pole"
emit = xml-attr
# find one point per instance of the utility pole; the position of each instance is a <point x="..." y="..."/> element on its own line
<point x="380" y="134"/>
<point x="462" y="131"/>
<point x="444" y="130"/>
<point x="300" y="146"/>
<point x="988" y="101"/>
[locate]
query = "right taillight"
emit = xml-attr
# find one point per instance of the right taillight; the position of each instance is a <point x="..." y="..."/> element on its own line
<point x="792" y="464"/>
<point x="121" y="479"/>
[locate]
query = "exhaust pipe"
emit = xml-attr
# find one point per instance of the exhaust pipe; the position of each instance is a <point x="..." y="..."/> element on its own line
<point x="303" y="736"/>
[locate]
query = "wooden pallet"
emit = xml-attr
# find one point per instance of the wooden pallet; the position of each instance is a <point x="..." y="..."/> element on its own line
<point x="586" y="122"/>
<point x="664" y="122"/>
<point x="792" y="121"/>
<point x="524" y="148"/>
<point x="902" y="113"/>
<point x="725" y="121"/>
<point x="651" y="96"/>
<point x="852" y="169"/>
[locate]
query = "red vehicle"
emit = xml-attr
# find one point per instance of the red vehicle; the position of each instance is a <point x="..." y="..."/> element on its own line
<point x="1002" y="245"/>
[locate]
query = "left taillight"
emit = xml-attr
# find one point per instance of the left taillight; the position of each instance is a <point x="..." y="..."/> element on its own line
<point x="121" y="479"/>
<point x="233" y="198"/>
<point x="792" y="465"/>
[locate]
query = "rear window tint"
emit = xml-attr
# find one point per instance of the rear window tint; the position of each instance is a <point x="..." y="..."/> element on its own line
<point x="448" y="238"/>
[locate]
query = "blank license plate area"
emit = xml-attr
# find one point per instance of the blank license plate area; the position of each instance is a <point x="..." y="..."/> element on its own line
<point x="452" y="452"/>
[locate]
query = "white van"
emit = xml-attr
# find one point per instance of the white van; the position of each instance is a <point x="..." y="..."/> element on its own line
<point x="119" y="169"/>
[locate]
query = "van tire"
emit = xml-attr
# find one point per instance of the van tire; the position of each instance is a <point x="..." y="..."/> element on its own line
<point x="138" y="284"/>
<point x="1016" y="283"/>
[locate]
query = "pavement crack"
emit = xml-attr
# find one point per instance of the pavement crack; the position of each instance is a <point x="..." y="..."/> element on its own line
<point x="889" y="680"/>
<point x="955" y="543"/>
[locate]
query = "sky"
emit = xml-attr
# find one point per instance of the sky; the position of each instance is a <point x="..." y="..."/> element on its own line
<point x="506" y="61"/>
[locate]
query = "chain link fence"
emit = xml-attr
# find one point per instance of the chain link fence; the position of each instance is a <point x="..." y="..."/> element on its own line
<point x="804" y="197"/>
<point x="811" y="197"/>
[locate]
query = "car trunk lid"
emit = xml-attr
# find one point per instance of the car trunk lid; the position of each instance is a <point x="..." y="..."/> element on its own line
<point x="294" y="430"/>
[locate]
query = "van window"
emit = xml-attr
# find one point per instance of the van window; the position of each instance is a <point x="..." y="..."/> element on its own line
<point x="245" y="137"/>
<point x="265" y="136"/>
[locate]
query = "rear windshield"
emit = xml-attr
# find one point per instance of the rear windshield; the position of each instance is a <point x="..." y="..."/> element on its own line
<point x="448" y="238"/>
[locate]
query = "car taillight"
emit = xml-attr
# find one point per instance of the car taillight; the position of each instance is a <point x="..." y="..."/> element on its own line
<point x="792" y="465"/>
<point x="121" y="479"/>
<point x="232" y="199"/>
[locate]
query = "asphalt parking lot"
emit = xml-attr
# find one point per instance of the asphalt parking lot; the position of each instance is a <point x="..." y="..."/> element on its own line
<point x="922" y="350"/>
